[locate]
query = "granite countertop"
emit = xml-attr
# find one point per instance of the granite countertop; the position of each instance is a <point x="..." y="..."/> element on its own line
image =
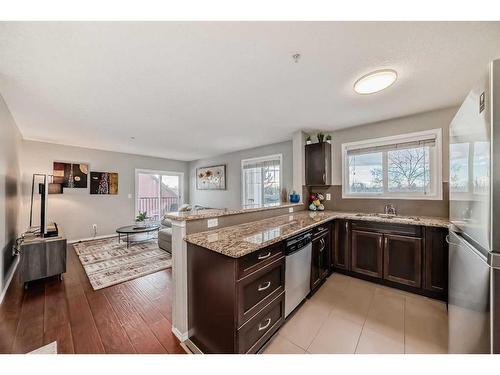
<point x="218" y="212"/>
<point x="239" y="240"/>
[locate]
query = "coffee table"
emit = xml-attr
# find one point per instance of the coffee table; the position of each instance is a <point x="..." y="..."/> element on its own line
<point x="134" y="229"/>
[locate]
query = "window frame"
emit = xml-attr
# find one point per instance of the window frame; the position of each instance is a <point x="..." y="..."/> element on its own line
<point x="160" y="173"/>
<point x="258" y="159"/>
<point x="435" y="166"/>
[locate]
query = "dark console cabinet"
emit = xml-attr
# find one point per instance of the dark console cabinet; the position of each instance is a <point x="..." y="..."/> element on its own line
<point x="318" y="163"/>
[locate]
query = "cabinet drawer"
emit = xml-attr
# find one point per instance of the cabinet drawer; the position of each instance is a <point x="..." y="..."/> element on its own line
<point x="252" y="262"/>
<point x="388" y="228"/>
<point x="254" y="333"/>
<point x="259" y="288"/>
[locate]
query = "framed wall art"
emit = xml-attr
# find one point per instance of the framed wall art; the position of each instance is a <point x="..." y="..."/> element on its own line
<point x="71" y="175"/>
<point x="211" y="178"/>
<point x="104" y="183"/>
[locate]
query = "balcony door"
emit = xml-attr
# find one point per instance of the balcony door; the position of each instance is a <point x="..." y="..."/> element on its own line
<point x="157" y="192"/>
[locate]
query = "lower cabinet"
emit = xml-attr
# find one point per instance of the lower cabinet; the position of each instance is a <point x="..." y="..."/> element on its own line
<point x="435" y="268"/>
<point x="413" y="258"/>
<point x="320" y="264"/>
<point x="340" y="245"/>
<point x="367" y="253"/>
<point x="403" y="259"/>
<point x="235" y="304"/>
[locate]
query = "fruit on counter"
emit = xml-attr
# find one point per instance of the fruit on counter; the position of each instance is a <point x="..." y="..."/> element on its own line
<point x="312" y="207"/>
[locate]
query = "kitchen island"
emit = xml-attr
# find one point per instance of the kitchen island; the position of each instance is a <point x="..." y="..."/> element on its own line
<point x="236" y="274"/>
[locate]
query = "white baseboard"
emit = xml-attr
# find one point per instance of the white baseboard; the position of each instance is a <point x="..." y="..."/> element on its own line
<point x="9" y="278"/>
<point x="93" y="238"/>
<point x="181" y="336"/>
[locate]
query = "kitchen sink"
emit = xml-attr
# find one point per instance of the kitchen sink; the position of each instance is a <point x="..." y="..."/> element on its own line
<point x="389" y="216"/>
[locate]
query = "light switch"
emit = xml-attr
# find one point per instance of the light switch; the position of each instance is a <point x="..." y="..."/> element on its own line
<point x="290" y="209"/>
<point x="129" y="196"/>
<point x="212" y="223"/>
<point x="328" y="196"/>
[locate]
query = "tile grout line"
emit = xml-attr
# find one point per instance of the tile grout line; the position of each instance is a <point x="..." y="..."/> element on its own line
<point x="366" y="318"/>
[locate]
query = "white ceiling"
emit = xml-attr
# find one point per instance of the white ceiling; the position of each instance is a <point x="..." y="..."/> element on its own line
<point x="187" y="90"/>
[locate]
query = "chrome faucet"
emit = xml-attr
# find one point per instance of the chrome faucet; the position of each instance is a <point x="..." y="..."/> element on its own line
<point x="389" y="209"/>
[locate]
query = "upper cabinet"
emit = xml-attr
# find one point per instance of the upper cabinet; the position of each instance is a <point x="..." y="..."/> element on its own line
<point x="318" y="164"/>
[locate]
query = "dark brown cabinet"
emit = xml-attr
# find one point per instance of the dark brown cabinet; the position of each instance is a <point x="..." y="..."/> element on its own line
<point x="409" y="257"/>
<point x="320" y="264"/>
<point x="435" y="269"/>
<point x="367" y="253"/>
<point x="340" y="245"/>
<point x="318" y="161"/>
<point x="403" y="259"/>
<point x="235" y="304"/>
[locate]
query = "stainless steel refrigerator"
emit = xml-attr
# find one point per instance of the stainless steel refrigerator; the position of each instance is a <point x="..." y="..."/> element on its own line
<point x="474" y="237"/>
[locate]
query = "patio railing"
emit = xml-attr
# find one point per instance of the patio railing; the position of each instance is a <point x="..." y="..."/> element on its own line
<point x="156" y="208"/>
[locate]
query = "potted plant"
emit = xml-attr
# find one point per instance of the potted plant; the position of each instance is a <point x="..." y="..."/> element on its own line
<point x="329" y="138"/>
<point x="140" y="220"/>
<point x="321" y="137"/>
<point x="308" y="140"/>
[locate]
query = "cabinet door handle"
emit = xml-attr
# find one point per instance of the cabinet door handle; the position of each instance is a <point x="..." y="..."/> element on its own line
<point x="346" y="225"/>
<point x="263" y="327"/>
<point x="264" y="286"/>
<point x="264" y="256"/>
<point x="324" y="178"/>
<point x="380" y="241"/>
<point x="386" y="242"/>
<point x="322" y="242"/>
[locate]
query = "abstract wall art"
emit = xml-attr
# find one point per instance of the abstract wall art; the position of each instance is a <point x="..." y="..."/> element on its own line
<point x="71" y="175"/>
<point x="104" y="183"/>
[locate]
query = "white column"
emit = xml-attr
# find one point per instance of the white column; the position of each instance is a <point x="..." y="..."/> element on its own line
<point x="179" y="279"/>
<point x="298" y="142"/>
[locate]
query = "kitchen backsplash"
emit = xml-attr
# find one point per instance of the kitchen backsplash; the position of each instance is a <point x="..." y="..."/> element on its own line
<point x="438" y="208"/>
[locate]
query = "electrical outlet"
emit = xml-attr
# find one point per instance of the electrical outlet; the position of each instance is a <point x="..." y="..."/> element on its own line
<point x="212" y="223"/>
<point x="94" y="228"/>
<point x="328" y="196"/>
<point x="290" y="209"/>
<point x="130" y="196"/>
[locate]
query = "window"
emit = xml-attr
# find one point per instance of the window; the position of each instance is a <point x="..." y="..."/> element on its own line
<point x="261" y="180"/>
<point x="406" y="166"/>
<point x="157" y="192"/>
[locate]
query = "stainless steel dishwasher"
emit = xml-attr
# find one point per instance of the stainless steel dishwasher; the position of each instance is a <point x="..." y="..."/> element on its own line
<point x="298" y="270"/>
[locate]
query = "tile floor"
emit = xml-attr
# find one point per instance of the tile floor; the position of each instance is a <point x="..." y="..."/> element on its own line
<point x="348" y="315"/>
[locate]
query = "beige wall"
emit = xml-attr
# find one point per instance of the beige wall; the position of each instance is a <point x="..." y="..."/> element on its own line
<point x="422" y="121"/>
<point x="76" y="210"/>
<point x="10" y="143"/>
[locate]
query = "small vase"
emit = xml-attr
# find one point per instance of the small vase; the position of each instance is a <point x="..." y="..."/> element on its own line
<point x="140" y="224"/>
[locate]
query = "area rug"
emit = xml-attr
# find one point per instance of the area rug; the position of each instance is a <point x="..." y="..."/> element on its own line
<point x="47" y="349"/>
<point x="108" y="262"/>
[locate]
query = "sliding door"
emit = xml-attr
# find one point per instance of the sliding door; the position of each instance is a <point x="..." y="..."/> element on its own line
<point x="157" y="192"/>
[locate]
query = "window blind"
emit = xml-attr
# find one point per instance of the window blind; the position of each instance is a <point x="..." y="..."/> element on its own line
<point x="268" y="163"/>
<point x="427" y="142"/>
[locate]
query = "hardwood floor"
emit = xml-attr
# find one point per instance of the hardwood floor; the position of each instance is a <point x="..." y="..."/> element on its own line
<point x="132" y="317"/>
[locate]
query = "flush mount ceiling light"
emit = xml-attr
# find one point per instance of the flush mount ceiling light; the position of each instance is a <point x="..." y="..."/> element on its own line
<point x="375" y="81"/>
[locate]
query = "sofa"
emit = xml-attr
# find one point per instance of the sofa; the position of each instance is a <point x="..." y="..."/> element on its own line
<point x="165" y="232"/>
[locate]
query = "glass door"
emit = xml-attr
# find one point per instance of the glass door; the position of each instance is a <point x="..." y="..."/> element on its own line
<point x="158" y="192"/>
